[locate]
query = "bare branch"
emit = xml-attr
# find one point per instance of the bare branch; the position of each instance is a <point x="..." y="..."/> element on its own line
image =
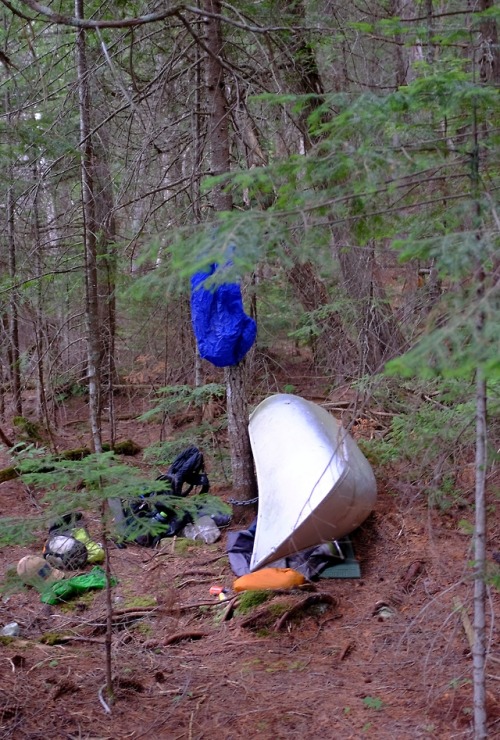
<point x="81" y="23"/>
<point x="142" y="19"/>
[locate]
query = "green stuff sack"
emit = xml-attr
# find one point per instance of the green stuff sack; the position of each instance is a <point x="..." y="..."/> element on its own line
<point x="71" y="587"/>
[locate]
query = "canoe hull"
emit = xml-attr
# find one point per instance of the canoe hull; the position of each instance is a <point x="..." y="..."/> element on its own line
<point x="315" y="485"/>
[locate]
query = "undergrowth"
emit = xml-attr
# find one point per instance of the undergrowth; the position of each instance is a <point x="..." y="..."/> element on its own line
<point x="431" y="435"/>
<point x="174" y="398"/>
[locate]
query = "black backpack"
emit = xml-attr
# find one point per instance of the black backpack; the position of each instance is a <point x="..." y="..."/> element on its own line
<point x="187" y="468"/>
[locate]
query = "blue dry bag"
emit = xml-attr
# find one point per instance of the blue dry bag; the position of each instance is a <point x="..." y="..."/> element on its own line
<point x="224" y="333"/>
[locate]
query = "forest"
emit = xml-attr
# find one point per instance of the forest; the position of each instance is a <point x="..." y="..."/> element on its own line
<point x="340" y="164"/>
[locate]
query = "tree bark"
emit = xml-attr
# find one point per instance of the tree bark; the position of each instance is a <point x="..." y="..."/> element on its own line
<point x="94" y="343"/>
<point x="42" y="405"/>
<point x="401" y="61"/>
<point x="306" y="77"/>
<point x="332" y="348"/>
<point x="479" y="648"/>
<point x="94" y="347"/>
<point x="243" y="474"/>
<point x="218" y="114"/>
<point x="13" y="348"/>
<point x="489" y="59"/>
<point x="379" y="336"/>
<point x="106" y="276"/>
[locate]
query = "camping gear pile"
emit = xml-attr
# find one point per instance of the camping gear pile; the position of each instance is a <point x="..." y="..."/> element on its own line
<point x="334" y="559"/>
<point x="324" y="489"/>
<point x="68" y="548"/>
<point x="165" y="511"/>
<point x="159" y="512"/>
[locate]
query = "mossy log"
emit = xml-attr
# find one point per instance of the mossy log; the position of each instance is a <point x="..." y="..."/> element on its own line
<point x="126" y="447"/>
<point x="8" y="474"/>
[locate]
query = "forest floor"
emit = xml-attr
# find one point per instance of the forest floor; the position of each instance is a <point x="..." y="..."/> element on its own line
<point x="387" y="657"/>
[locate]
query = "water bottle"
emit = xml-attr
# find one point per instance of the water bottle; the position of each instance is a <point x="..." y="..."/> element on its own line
<point x="204" y="529"/>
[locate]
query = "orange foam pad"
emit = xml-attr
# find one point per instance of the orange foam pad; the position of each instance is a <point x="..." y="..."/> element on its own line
<point x="269" y="578"/>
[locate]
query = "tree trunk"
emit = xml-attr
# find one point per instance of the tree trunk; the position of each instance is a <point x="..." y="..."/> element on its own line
<point x="489" y="58"/>
<point x="332" y="348"/>
<point x="243" y="474"/>
<point x="2" y="389"/>
<point x="94" y="344"/>
<point x="306" y="77"/>
<point x="244" y="483"/>
<point x="379" y="336"/>
<point x="479" y="647"/>
<point x="42" y="405"/>
<point x="195" y="181"/>
<point x="106" y="277"/>
<point x="401" y="61"/>
<point x="13" y="347"/>
<point x="218" y="115"/>
<point x="94" y="347"/>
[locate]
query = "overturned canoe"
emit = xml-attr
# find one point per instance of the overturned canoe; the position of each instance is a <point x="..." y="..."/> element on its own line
<point x="315" y="484"/>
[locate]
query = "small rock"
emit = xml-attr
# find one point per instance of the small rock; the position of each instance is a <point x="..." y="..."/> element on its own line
<point x="11" y="630"/>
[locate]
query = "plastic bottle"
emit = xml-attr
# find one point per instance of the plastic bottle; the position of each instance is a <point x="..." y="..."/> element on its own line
<point x="204" y="529"/>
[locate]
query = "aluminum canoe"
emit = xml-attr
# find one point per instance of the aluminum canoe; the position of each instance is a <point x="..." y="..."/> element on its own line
<point x="315" y="485"/>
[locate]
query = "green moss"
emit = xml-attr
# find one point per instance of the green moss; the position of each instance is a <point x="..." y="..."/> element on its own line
<point x="83" y="601"/>
<point x="183" y="546"/>
<point x="278" y="608"/>
<point x="8" y="474"/>
<point x="250" y="600"/>
<point x="52" y="638"/>
<point x="127" y="447"/>
<point x="144" y="629"/>
<point x="140" y="601"/>
<point x="27" y="428"/>
<point x="79" y="453"/>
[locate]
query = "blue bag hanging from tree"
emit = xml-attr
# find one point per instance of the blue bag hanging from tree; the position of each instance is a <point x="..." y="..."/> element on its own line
<point x="224" y="333"/>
